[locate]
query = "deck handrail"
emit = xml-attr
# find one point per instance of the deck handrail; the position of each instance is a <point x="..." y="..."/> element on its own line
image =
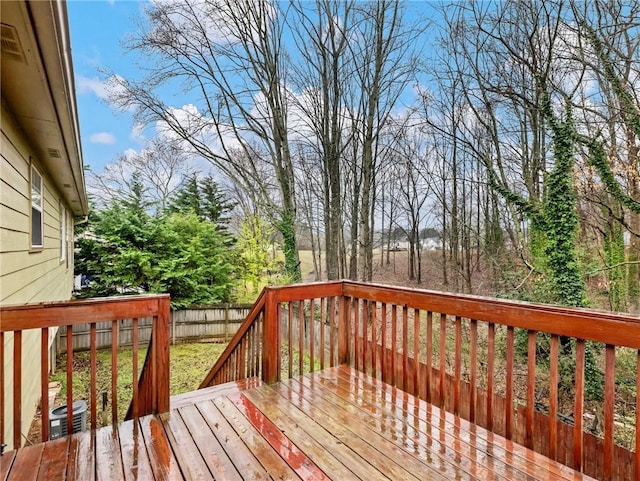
<point x="150" y="390"/>
<point x="463" y="359"/>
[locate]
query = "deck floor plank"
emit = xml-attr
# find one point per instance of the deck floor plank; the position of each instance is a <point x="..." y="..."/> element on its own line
<point x="495" y="445"/>
<point x="261" y="449"/>
<point x="337" y="423"/>
<point x="361" y="441"/>
<point x="431" y="454"/>
<point x="425" y="437"/>
<point x="473" y="452"/>
<point x="6" y="461"/>
<point x="192" y="465"/>
<point x="135" y="459"/>
<point x="287" y="450"/>
<point x="81" y="458"/>
<point x="163" y="462"/>
<point x="54" y="460"/>
<point x="26" y="463"/>
<point x="108" y="455"/>
<point x="211" y="450"/>
<point x="322" y="447"/>
<point x="208" y="393"/>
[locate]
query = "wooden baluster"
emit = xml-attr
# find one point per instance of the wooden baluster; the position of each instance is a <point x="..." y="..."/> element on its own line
<point x="473" y="369"/>
<point x="248" y="368"/>
<point x="429" y="360"/>
<point x="323" y="323"/>
<point x="44" y="383"/>
<point x="457" y="365"/>
<point x="394" y="334"/>
<point x="356" y="335"/>
<point x="256" y="349"/>
<point x="300" y="338"/>
<point x="491" y="356"/>
<point x="242" y="361"/>
<point x="578" y="407"/>
<point x="405" y="345"/>
<point x="416" y="354"/>
<point x="134" y="365"/>
<point x="332" y="328"/>
<point x="609" y="409"/>
<point x="344" y="316"/>
<point x="508" y="412"/>
<point x="365" y="335"/>
<point x="553" y="397"/>
<point x="278" y="339"/>
<point x="531" y="387"/>
<point x="312" y="334"/>
<point x="114" y="371"/>
<point x="259" y="340"/>
<point x="290" y="340"/>
<point x="70" y="379"/>
<point x="17" y="389"/>
<point x="252" y="351"/>
<point x="383" y="351"/>
<point x="2" y="388"/>
<point x="384" y="375"/>
<point x="442" y="359"/>
<point x="94" y="375"/>
<point x="374" y="338"/>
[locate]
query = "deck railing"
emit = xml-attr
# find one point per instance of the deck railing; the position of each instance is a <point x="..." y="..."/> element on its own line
<point x="561" y="381"/>
<point x="22" y="325"/>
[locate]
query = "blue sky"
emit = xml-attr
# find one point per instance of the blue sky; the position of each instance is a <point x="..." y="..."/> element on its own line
<point x="97" y="29"/>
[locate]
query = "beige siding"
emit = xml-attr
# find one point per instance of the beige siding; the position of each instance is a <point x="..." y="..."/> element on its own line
<point x="27" y="276"/>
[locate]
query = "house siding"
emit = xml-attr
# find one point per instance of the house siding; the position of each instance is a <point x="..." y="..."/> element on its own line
<point x="27" y="276"/>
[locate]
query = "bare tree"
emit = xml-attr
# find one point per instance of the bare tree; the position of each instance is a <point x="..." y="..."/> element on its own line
<point x="161" y="168"/>
<point x="228" y="57"/>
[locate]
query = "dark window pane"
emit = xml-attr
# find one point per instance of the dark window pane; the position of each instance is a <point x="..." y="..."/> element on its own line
<point x="36" y="227"/>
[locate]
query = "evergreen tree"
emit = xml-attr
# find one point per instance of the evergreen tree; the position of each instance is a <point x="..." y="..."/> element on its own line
<point x="215" y="204"/>
<point x="131" y="252"/>
<point x="188" y="198"/>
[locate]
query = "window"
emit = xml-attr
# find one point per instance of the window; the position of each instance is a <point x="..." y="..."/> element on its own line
<point x="36" y="209"/>
<point x="63" y="233"/>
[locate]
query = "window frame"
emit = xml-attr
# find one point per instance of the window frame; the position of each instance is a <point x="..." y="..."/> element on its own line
<point x="36" y="247"/>
<point x="64" y="227"/>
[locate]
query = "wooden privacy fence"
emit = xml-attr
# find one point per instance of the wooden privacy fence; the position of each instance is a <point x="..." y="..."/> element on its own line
<point x="218" y="322"/>
<point x="479" y="358"/>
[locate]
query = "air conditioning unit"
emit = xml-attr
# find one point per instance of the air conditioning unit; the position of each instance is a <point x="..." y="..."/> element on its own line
<point x="58" y="419"/>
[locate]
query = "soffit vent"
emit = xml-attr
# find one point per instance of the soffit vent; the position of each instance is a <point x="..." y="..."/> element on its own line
<point x="11" y="47"/>
<point x="54" y="153"/>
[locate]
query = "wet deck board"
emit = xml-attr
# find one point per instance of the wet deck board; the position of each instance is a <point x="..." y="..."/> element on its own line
<point x="334" y="424"/>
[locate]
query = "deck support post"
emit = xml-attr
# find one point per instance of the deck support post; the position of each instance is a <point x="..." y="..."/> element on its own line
<point x="162" y="356"/>
<point x="270" y="344"/>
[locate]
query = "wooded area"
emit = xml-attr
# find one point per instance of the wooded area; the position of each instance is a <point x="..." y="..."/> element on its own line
<point x="509" y="130"/>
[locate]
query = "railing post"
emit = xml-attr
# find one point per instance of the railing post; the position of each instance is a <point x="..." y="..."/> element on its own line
<point x="161" y="346"/>
<point x="270" y="338"/>
<point x="344" y="308"/>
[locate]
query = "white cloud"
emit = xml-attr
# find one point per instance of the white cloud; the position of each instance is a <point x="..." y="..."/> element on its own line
<point x="137" y="133"/>
<point x="103" y="138"/>
<point x="111" y="89"/>
<point x="94" y="85"/>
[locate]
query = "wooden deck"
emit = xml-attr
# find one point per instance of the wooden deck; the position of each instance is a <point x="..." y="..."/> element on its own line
<point x="334" y="424"/>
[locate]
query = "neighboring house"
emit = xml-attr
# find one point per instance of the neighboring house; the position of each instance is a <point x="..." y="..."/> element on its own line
<point x="42" y="185"/>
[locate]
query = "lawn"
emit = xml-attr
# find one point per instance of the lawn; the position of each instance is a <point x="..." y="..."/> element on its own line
<point x="189" y="365"/>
